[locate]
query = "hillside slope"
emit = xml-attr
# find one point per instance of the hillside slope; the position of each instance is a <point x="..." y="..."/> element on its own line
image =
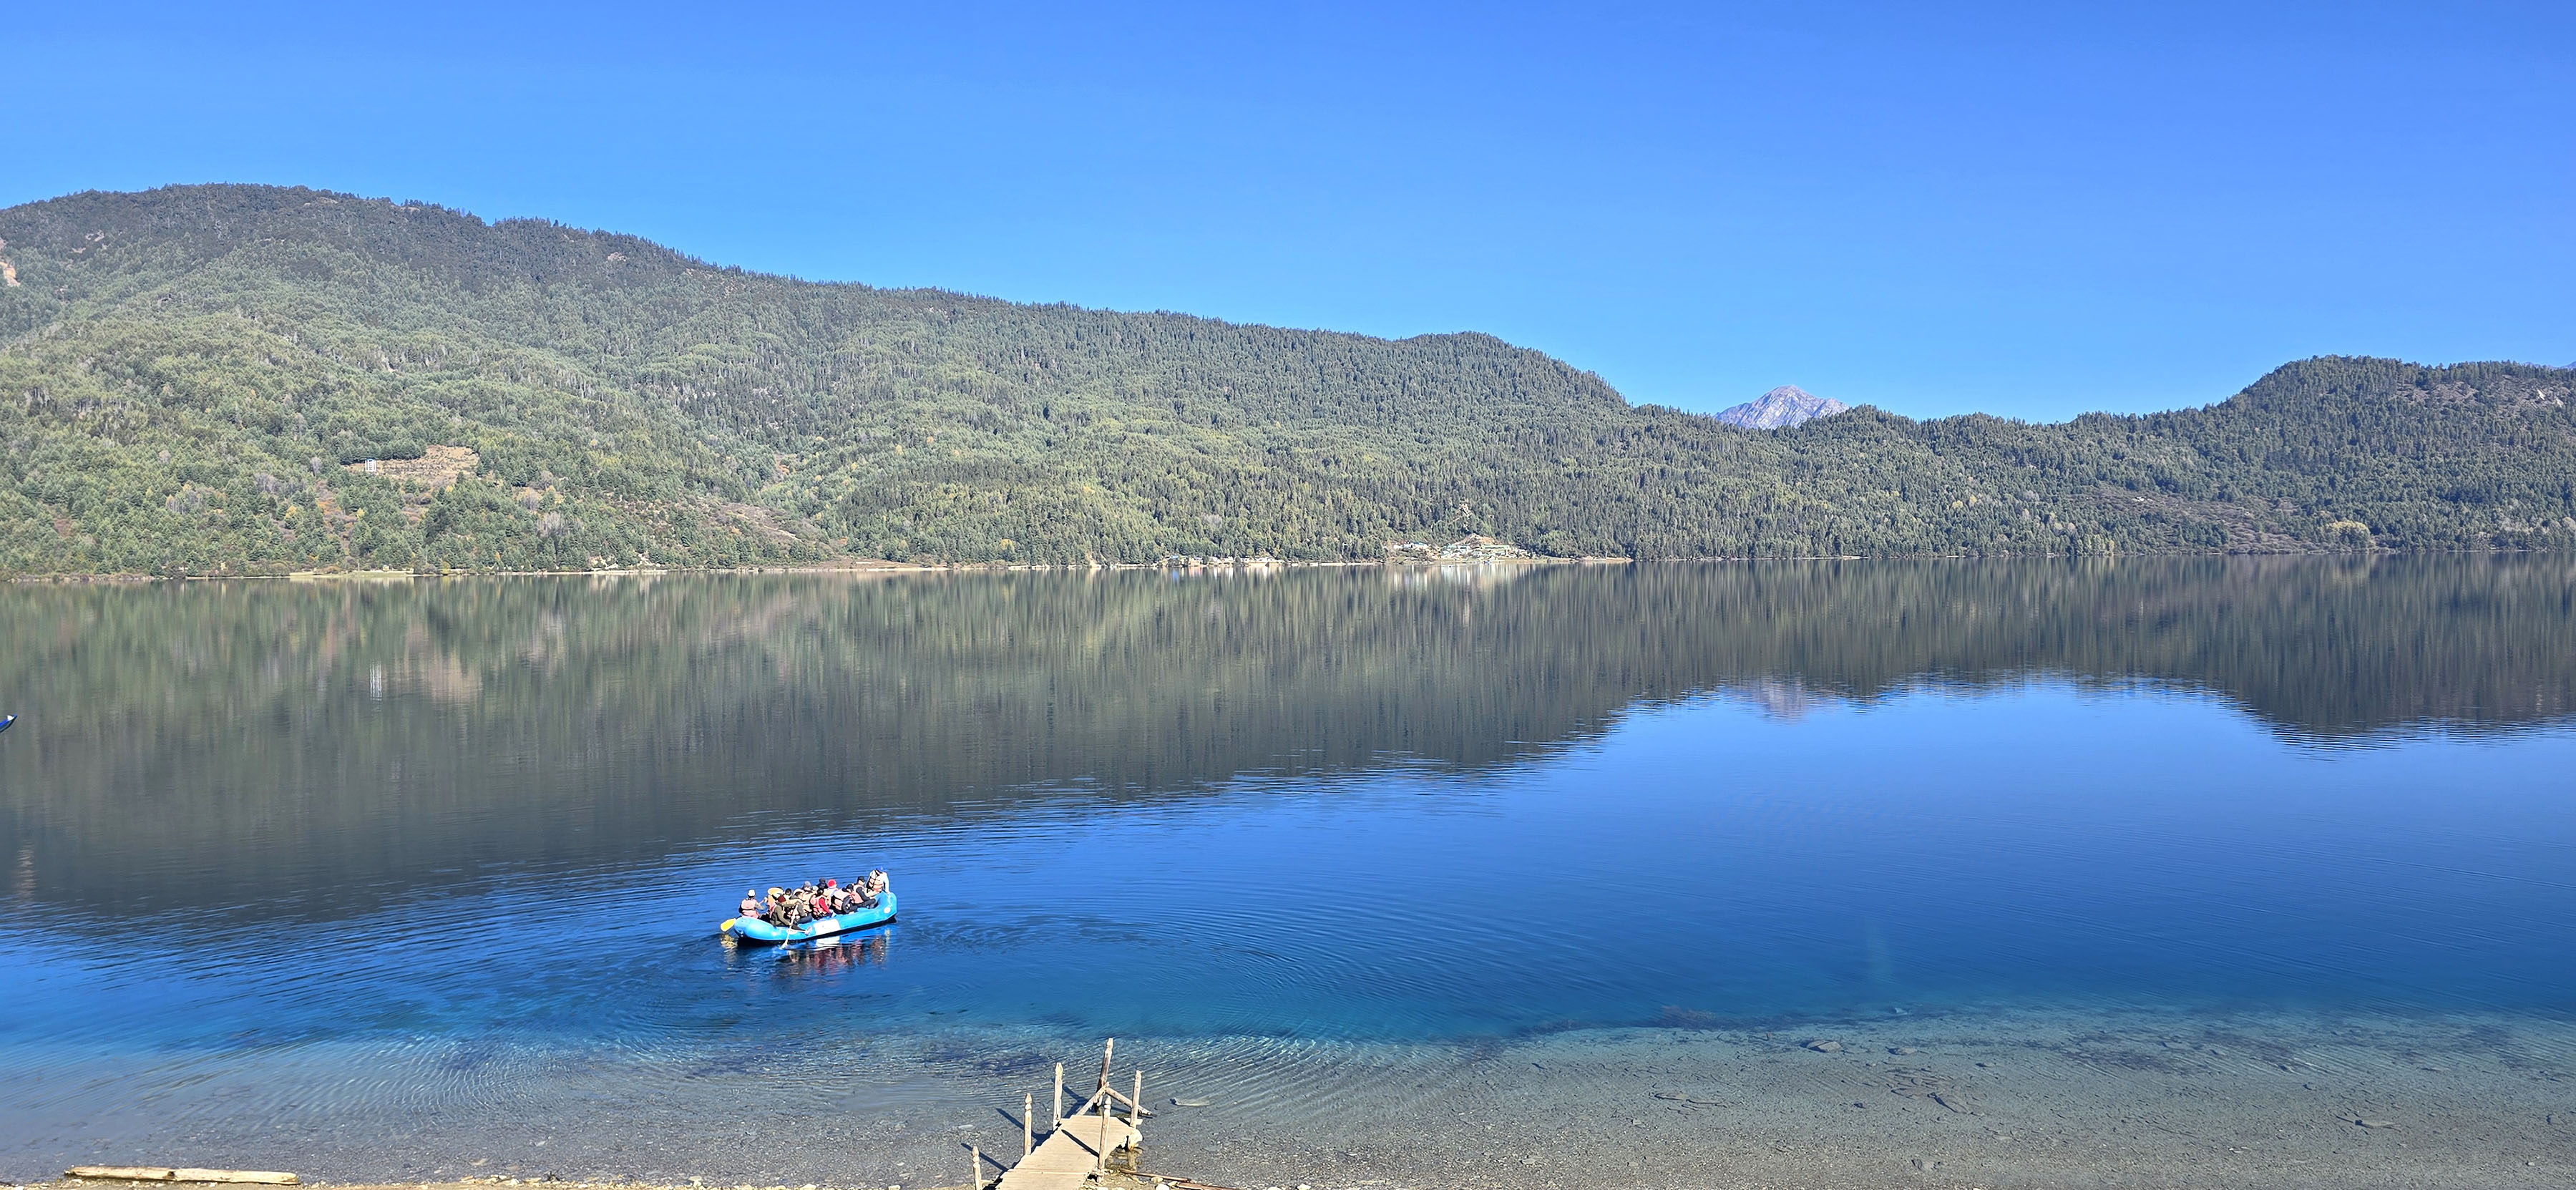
<point x="194" y="377"/>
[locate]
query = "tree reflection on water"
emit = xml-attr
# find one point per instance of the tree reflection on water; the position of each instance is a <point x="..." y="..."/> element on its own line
<point x="304" y="749"/>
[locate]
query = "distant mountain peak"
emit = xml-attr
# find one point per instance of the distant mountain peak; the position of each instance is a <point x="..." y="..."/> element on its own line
<point x="1787" y="405"/>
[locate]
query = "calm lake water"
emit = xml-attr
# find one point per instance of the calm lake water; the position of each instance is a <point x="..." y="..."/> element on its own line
<point x="339" y="854"/>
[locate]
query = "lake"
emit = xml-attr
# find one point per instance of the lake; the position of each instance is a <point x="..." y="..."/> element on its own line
<point x="377" y="880"/>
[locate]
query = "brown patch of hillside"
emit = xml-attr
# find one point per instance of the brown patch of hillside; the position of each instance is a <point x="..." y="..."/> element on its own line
<point x="436" y="468"/>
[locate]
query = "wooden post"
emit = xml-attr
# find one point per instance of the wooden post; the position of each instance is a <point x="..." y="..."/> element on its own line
<point x="1136" y="1102"/>
<point x="1105" y="1051"/>
<point x="1055" y="1114"/>
<point x="1107" y="1097"/>
<point x="1028" y="1107"/>
<point x="974" y="1168"/>
<point x="155" y="1173"/>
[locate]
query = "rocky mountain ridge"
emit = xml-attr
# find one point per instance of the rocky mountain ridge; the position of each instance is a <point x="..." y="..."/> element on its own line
<point x="1780" y="408"/>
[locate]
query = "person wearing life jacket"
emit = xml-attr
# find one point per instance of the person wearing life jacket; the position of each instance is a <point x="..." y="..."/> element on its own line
<point x="750" y="906"/>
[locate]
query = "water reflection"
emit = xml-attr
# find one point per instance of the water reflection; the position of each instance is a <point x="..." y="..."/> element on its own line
<point x="314" y="750"/>
<point x="822" y="956"/>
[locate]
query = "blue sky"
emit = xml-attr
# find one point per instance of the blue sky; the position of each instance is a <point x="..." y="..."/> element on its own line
<point x="2031" y="210"/>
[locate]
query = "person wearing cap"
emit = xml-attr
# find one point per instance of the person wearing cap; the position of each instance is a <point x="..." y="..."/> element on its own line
<point x="751" y="903"/>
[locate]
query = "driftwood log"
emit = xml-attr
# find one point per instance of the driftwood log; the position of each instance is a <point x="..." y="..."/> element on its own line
<point x="1180" y="1183"/>
<point x="157" y="1173"/>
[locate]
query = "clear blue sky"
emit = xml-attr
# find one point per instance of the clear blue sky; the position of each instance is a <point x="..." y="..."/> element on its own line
<point x="2026" y="209"/>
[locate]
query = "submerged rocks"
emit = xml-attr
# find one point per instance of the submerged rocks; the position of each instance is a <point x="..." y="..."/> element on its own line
<point x="1825" y="1047"/>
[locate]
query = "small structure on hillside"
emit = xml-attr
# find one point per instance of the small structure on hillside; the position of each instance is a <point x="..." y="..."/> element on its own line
<point x="1474" y="547"/>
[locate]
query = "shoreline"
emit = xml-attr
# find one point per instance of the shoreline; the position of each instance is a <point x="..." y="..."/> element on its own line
<point x="878" y="567"/>
<point x="1998" y="1100"/>
<point x="866" y="568"/>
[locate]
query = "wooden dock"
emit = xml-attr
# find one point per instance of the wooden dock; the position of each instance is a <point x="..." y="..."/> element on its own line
<point x="1072" y="1152"/>
<point x="1075" y="1148"/>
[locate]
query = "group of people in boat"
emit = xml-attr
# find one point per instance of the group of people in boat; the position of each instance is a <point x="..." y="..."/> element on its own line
<point x="793" y="907"/>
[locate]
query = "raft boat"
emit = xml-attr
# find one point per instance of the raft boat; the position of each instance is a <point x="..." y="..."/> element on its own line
<point x="753" y="929"/>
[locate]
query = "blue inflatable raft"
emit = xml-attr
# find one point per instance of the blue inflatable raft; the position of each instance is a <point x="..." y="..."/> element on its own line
<point x="752" y="929"/>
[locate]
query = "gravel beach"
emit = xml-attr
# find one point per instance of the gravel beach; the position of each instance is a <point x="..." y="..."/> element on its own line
<point x="2106" y="1098"/>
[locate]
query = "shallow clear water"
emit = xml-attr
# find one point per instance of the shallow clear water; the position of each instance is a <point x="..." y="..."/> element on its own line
<point x="302" y="829"/>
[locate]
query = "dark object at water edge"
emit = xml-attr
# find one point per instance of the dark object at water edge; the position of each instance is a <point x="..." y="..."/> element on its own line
<point x="155" y="1173"/>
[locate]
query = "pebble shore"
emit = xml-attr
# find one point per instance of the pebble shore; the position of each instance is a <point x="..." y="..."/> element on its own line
<point x="1958" y="1100"/>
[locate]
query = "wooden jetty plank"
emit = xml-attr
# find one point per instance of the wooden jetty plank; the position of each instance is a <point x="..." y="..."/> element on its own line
<point x="1071" y="1150"/>
<point x="1090" y="1131"/>
<point x="159" y="1173"/>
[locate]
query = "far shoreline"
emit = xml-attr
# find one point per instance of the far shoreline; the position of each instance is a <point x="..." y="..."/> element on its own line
<point x="879" y="567"/>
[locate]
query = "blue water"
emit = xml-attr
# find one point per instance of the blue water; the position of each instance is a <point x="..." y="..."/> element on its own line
<point x="1700" y="861"/>
<point x="370" y="860"/>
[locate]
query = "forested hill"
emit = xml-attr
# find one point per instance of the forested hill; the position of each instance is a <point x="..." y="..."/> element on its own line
<point x="193" y="379"/>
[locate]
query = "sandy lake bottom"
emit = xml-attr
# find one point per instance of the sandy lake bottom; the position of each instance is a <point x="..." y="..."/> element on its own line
<point x="2110" y="1098"/>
